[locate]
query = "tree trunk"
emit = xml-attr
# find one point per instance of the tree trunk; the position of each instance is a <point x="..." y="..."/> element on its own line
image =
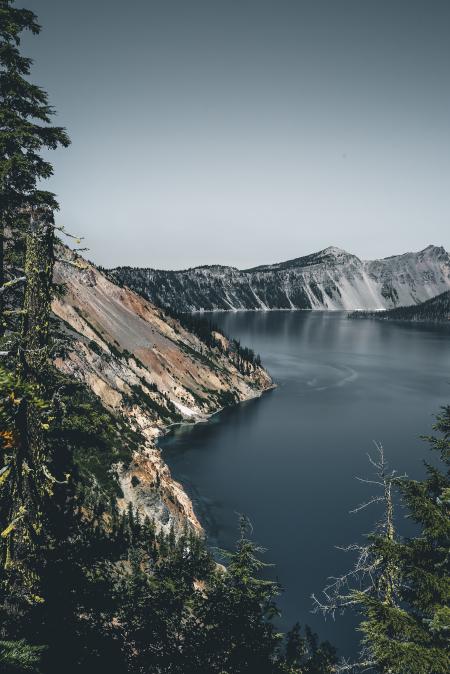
<point x="30" y="488"/>
<point x="35" y="342"/>
<point x="39" y="259"/>
<point x="2" y="272"/>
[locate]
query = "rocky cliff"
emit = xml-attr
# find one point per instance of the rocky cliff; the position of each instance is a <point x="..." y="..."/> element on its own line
<point x="329" y="280"/>
<point x="145" y="367"/>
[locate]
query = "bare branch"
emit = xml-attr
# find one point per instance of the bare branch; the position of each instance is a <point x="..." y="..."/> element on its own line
<point x="363" y="479"/>
<point x="14" y="312"/>
<point x="362" y="666"/>
<point x="77" y="265"/>
<point x="61" y="228"/>
<point x="370" y="574"/>
<point x="361" y="506"/>
<point x="51" y="477"/>
<point x="12" y="283"/>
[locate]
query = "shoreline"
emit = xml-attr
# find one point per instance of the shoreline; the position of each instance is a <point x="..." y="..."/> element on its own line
<point x="149" y="485"/>
<point x="168" y="429"/>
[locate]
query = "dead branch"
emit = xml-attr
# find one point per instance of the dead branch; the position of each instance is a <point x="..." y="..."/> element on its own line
<point x="14" y="312"/>
<point x="361" y="666"/>
<point x="370" y="575"/>
<point x="12" y="283"/>
<point x="61" y="228"/>
<point x="77" y="265"/>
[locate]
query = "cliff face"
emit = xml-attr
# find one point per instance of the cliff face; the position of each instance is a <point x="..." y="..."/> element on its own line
<point x="331" y="279"/>
<point x="145" y="367"/>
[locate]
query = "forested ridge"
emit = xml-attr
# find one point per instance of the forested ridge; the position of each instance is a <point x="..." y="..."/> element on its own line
<point x="209" y="333"/>
<point x="86" y="586"/>
<point x="436" y="309"/>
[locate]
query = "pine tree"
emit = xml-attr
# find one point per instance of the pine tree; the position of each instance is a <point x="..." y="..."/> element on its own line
<point x="233" y="631"/>
<point x="295" y="647"/>
<point x="25" y="130"/>
<point x="400" y="586"/>
<point x="415" y="631"/>
<point x="100" y="590"/>
<point x="29" y="483"/>
<point x="31" y="480"/>
<point x="18" y="657"/>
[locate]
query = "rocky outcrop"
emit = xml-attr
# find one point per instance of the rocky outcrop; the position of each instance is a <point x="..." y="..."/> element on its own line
<point x="329" y="280"/>
<point x="145" y="367"/>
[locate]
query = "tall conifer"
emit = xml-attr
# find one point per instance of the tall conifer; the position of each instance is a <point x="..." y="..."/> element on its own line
<point x="25" y="130"/>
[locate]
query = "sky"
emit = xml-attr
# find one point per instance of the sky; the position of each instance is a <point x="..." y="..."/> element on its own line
<point x="245" y="132"/>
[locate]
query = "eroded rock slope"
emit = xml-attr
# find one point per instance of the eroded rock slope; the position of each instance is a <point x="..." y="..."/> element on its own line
<point x="145" y="367"/>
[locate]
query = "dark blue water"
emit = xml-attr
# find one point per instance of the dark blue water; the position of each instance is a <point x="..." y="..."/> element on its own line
<point x="289" y="459"/>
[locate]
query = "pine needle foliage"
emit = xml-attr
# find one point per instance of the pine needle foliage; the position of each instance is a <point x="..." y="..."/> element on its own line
<point x="401" y="586"/>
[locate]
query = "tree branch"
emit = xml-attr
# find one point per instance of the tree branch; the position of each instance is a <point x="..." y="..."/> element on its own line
<point x="12" y="283"/>
<point x="60" y="228"/>
<point x="77" y="265"/>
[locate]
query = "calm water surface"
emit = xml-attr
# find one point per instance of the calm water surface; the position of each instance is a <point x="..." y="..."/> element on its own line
<point x="289" y="459"/>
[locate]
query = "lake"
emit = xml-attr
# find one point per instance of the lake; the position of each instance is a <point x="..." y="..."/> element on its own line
<point x="289" y="459"/>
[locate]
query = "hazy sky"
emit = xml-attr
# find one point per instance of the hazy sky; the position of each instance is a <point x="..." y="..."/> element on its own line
<point x="248" y="131"/>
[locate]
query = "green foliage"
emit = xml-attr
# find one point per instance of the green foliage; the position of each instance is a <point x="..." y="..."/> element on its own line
<point x="238" y="634"/>
<point x="97" y="440"/>
<point x="306" y="655"/>
<point x="18" y="657"/>
<point x="25" y="115"/>
<point x="226" y="398"/>
<point x="12" y="391"/>
<point x="96" y="348"/>
<point x="436" y="309"/>
<point x="401" y="586"/>
<point x="243" y="357"/>
<point x="25" y="485"/>
<point x="197" y="324"/>
<point x="163" y="408"/>
<point x="419" y="625"/>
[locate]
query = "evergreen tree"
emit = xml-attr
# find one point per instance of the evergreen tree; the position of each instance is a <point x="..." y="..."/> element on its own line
<point x="28" y="503"/>
<point x="82" y="586"/>
<point x="18" y="657"/>
<point x="400" y="586"/>
<point x="233" y="631"/>
<point x="25" y="130"/>
<point x="295" y="647"/>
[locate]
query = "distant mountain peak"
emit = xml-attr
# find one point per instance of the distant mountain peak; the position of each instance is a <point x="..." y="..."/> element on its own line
<point x="334" y="250"/>
<point x="330" y="279"/>
<point x="430" y="251"/>
<point x="439" y="250"/>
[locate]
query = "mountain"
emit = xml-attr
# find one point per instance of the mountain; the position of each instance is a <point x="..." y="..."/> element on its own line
<point x="437" y="309"/>
<point x="150" y="372"/>
<point x="331" y="279"/>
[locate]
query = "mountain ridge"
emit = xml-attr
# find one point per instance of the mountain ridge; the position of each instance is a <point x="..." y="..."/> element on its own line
<point x="330" y="279"/>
